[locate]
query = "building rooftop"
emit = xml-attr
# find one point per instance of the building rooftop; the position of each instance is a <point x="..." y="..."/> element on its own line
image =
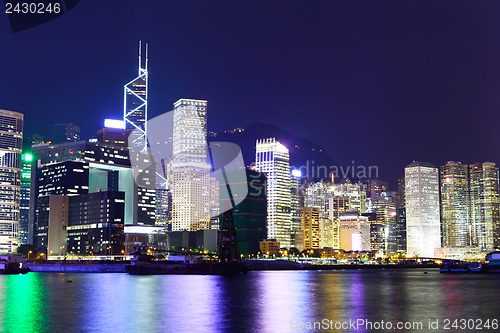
<point x="421" y="164"/>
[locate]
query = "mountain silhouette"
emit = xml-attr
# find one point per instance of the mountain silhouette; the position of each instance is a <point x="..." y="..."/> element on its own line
<point x="302" y="151"/>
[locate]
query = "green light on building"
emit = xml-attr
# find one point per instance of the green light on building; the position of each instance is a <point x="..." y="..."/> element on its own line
<point x="27" y="157"/>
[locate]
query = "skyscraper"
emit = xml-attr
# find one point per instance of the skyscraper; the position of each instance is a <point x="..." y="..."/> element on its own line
<point x="11" y="132"/>
<point x="66" y="133"/>
<point x="354" y="232"/>
<point x="455" y="204"/>
<point x="401" y="216"/>
<point x="135" y="116"/>
<point x="422" y="209"/>
<point x="25" y="198"/>
<point x="484" y="205"/>
<point x="190" y="167"/>
<point x="296" y="204"/>
<point x="316" y="195"/>
<point x="68" y="178"/>
<point x="355" y="193"/>
<point x="135" y="104"/>
<point x="273" y="160"/>
<point x="384" y="226"/>
<point x="311" y="227"/>
<point x="336" y="206"/>
<point x="250" y="214"/>
<point x="94" y="224"/>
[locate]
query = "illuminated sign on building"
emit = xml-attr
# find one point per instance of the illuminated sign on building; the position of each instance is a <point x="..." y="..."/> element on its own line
<point x="114" y="123"/>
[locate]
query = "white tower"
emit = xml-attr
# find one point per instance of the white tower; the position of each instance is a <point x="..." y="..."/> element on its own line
<point x="190" y="167"/>
<point x="273" y="160"/>
<point x="423" y="230"/>
<point x="135" y="104"/>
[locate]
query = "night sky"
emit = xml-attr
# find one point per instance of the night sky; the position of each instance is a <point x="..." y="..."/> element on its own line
<point x="378" y="82"/>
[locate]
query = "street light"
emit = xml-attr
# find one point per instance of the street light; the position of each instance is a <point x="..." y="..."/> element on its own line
<point x="30" y="252"/>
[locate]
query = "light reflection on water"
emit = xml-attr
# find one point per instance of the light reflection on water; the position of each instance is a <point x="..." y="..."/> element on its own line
<point x="272" y="301"/>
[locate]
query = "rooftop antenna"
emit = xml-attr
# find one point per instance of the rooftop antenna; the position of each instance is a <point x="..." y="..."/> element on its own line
<point x="146" y="57"/>
<point x="140" y="63"/>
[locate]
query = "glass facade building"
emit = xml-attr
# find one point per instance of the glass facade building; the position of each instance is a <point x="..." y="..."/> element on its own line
<point x="401" y="216"/>
<point x="384" y="226"/>
<point x="455" y="204"/>
<point x="25" y="198"/>
<point x="484" y="206"/>
<point x="250" y="214"/>
<point x="296" y="204"/>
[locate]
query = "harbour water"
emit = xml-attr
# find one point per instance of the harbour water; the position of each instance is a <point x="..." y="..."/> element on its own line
<point x="260" y="301"/>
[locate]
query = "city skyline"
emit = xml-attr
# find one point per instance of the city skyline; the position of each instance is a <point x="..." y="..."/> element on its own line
<point x="267" y="166"/>
<point x="194" y="194"/>
<point x="190" y="150"/>
<point x="369" y="74"/>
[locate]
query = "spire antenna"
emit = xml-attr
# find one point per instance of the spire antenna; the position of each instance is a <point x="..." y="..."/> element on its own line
<point x="146" y="57"/>
<point x="140" y="48"/>
<point x="135" y="105"/>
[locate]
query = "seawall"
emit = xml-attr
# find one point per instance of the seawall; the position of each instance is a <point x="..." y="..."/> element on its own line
<point x="77" y="268"/>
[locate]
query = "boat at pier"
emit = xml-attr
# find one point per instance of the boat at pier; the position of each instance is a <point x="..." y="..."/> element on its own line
<point x="13" y="264"/>
<point x="228" y="261"/>
<point x="140" y="266"/>
<point x="493" y="262"/>
<point x="454" y="266"/>
<point x="492" y="265"/>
